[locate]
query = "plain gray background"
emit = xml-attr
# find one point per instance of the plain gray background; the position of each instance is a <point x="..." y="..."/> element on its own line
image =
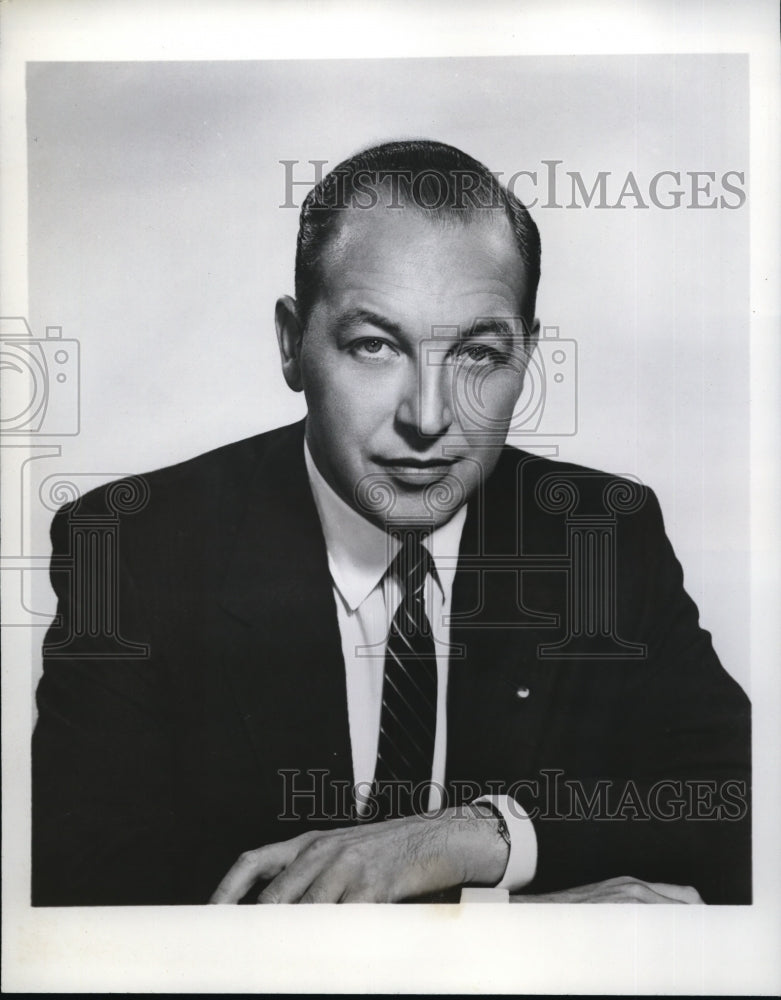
<point x="156" y="239"/>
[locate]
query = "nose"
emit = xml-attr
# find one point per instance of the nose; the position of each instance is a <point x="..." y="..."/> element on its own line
<point x="427" y="403"/>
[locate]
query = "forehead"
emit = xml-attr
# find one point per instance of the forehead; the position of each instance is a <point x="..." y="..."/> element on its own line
<point x="407" y="261"/>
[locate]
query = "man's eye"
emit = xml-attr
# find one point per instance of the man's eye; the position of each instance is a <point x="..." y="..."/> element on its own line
<point x="480" y="352"/>
<point x="373" y="347"/>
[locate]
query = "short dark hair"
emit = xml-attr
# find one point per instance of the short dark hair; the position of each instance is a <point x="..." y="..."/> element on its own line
<point x="431" y="177"/>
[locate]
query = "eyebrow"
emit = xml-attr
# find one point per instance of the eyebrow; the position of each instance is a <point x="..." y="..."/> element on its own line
<point x="362" y="317"/>
<point x="500" y="327"/>
<point x="353" y="318"/>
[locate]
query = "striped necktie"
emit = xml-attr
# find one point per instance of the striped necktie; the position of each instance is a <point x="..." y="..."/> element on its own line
<point x="405" y="751"/>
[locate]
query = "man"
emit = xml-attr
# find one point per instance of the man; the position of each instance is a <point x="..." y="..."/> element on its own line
<point x="384" y="655"/>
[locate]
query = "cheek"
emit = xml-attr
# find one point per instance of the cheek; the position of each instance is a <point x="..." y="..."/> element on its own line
<point x="346" y="408"/>
<point x="486" y="400"/>
<point x="504" y="390"/>
<point x="507" y="392"/>
<point x="327" y="391"/>
<point x="338" y="387"/>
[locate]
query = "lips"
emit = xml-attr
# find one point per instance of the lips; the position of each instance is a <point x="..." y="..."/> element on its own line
<point x="415" y="463"/>
<point x="415" y="471"/>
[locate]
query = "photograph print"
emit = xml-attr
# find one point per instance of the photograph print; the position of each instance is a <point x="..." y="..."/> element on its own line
<point x="386" y="477"/>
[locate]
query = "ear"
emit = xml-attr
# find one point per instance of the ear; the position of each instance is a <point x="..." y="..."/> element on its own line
<point x="289" y="334"/>
<point x="531" y="338"/>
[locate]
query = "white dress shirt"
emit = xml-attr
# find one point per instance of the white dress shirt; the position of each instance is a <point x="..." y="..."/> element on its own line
<point x="367" y="597"/>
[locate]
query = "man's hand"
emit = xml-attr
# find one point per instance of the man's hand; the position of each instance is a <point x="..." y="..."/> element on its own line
<point x="623" y="889"/>
<point x="377" y="863"/>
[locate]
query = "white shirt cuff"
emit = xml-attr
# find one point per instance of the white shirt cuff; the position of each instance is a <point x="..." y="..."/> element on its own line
<point x="522" y="862"/>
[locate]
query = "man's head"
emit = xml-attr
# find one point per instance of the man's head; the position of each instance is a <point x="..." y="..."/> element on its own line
<point x="416" y="279"/>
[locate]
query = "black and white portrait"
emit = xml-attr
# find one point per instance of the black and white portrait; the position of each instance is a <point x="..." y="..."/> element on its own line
<point x="379" y="439"/>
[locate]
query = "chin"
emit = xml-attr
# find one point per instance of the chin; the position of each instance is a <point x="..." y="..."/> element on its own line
<point x="436" y="510"/>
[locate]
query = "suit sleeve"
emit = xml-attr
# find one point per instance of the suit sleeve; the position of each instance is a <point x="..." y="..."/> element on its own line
<point x="679" y="780"/>
<point x="104" y="828"/>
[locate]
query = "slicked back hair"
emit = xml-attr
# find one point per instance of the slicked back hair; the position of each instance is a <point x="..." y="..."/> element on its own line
<point x="427" y="176"/>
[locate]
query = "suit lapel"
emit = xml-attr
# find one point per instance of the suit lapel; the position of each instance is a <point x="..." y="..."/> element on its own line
<point x="499" y="692"/>
<point x="284" y="651"/>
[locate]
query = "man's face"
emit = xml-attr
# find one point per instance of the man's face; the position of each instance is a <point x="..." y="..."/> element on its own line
<point x="412" y="361"/>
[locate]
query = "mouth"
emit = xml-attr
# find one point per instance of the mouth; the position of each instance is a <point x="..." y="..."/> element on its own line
<point x="408" y="462"/>
<point x="416" y="471"/>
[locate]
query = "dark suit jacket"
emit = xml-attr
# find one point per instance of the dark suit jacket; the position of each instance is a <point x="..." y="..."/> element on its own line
<point x="196" y="656"/>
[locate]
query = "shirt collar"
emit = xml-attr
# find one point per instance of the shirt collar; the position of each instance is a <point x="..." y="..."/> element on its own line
<point x="359" y="552"/>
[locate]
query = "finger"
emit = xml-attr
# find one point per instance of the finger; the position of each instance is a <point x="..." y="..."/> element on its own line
<point x="263" y="863"/>
<point x="329" y="887"/>
<point x="291" y="884"/>
<point x="362" y="895"/>
<point x="676" y="893"/>
<point x="621" y="889"/>
<point x="639" y="890"/>
<point x="643" y="895"/>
